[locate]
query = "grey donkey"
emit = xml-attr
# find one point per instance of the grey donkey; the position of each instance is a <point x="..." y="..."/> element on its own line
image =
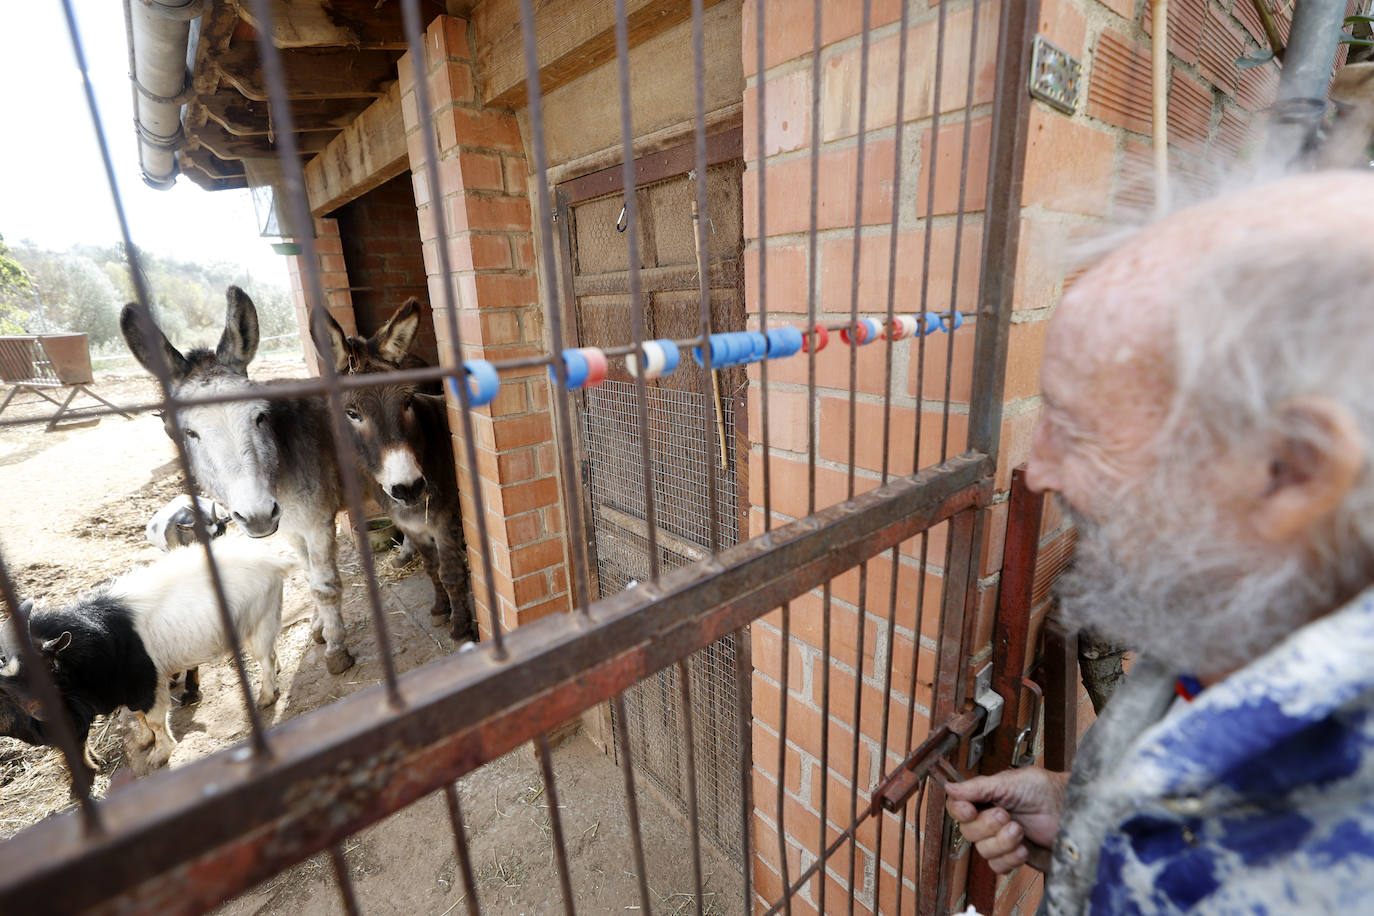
<point x="403" y="442"/>
<point x="271" y="463"/>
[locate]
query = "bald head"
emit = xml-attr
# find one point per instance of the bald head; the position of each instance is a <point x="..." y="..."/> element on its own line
<point x="1206" y="384"/>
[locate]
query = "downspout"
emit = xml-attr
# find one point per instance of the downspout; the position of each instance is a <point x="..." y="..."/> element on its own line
<point x="162" y="38"/>
<point x="1307" y="61"/>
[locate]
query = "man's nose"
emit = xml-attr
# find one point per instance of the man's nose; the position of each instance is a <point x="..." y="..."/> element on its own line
<point x="1041" y="468"/>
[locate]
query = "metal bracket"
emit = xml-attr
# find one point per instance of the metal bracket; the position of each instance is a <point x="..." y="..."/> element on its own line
<point x="991" y="702"/>
<point x="1054" y="76"/>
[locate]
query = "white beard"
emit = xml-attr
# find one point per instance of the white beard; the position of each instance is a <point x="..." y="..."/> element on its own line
<point x="1158" y="579"/>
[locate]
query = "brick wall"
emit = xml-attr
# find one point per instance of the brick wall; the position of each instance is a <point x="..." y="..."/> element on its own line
<point x="334" y="280"/>
<point x="482" y="195"/>
<point x="380" y="233"/>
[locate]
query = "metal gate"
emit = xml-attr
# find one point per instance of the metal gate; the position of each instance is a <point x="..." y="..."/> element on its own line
<point x="184" y="840"/>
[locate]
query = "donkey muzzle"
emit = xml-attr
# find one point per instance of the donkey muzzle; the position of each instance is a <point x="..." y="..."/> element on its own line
<point x="259" y="525"/>
<point x="407" y="493"/>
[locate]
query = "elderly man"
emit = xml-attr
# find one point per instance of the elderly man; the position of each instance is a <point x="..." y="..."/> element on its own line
<point x="1208" y="421"/>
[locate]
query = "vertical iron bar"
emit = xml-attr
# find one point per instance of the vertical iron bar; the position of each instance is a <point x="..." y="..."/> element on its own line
<point x="627" y="165"/>
<point x="576" y="525"/>
<point x="811" y="264"/>
<point x="346" y="892"/>
<point x="911" y="689"/>
<point x="622" y="736"/>
<point x="929" y="231"/>
<point x="560" y="851"/>
<point x="709" y="402"/>
<point x="460" y="842"/>
<point x="825" y="731"/>
<point x="684" y="672"/>
<point x="294" y="178"/>
<point x="745" y="716"/>
<point x="887" y="700"/>
<point x="1001" y="223"/>
<point x="959" y="228"/>
<point x="162" y="371"/>
<point x="50" y="700"/>
<point x="759" y="86"/>
<point x="853" y="406"/>
<point x="415" y="44"/>
<point x="782" y="754"/>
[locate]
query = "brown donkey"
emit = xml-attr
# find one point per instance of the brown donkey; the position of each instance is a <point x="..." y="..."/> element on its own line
<point x="403" y="441"/>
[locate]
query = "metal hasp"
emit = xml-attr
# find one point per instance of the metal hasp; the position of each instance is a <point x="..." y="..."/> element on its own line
<point x="990" y="702"/>
<point x="1054" y="75"/>
<point x="892" y="795"/>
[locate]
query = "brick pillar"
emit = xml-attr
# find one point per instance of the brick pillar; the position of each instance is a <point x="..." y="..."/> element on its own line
<point x="333" y="278"/>
<point x="483" y="196"/>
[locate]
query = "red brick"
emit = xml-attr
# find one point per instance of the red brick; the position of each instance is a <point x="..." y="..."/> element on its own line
<point x="523" y="528"/>
<point x="1233" y="132"/>
<point x="790" y="212"/>
<point x="951" y="163"/>
<point x="536" y="556"/>
<point x="790" y="487"/>
<point x="491" y="213"/>
<point x="787" y="115"/>
<point x="559" y="604"/>
<point x="870" y="418"/>
<point x="518" y="432"/>
<point x="803" y="722"/>
<point x="787" y="419"/>
<point x="1222" y="44"/>
<point x="787" y="282"/>
<point x="479" y="171"/>
<point x="1062" y="22"/>
<point x="1119" y="90"/>
<point x="1256" y="86"/>
<point x="841" y="75"/>
<point x="1041" y="259"/>
<point x="516" y="175"/>
<point x="1068" y="164"/>
<point x="498" y="290"/>
<point x="1190" y="113"/>
<point x="912" y="281"/>
<point x="446" y="37"/>
<point x="788" y="28"/>
<point x="484" y="129"/>
<point x="528" y="589"/>
<point x="450" y="83"/>
<point x="1187" y="20"/>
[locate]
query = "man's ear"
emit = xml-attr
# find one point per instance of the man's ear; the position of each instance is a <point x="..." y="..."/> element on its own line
<point x="1308" y="475"/>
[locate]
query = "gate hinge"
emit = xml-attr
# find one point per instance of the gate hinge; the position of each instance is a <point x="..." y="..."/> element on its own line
<point x="991" y="703"/>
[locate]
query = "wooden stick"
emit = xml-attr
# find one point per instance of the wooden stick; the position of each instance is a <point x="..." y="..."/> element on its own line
<point x="715" y="373"/>
<point x="1160" y="90"/>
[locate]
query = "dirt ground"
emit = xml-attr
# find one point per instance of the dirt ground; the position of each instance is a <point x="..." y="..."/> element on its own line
<point x="73" y="504"/>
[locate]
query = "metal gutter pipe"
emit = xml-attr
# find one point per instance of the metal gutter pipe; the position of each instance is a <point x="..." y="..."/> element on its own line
<point x="1307" y="62"/>
<point x="161" y="36"/>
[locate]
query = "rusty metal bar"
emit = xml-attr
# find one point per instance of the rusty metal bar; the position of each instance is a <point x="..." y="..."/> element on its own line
<point x="744" y="713"/>
<point x="347" y="895"/>
<point x="415" y="42"/>
<point x="554" y="312"/>
<point x="622" y="55"/>
<point x="684" y="672"/>
<point x="825" y="723"/>
<point x="342" y="767"/>
<point x="560" y="849"/>
<point x="959" y="223"/>
<point x="294" y="178"/>
<point x="812" y="261"/>
<point x="1002" y="222"/>
<point x="460" y="842"/>
<point x="622" y="735"/>
<point x="163" y="375"/>
<point x="1061" y="695"/>
<point x="1010" y="638"/>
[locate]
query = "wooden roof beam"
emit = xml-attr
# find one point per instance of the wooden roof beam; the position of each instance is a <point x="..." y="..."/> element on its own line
<point x="310" y="73"/>
<point x="573" y="37"/>
<point x="248" y="118"/>
<point x="365" y="154"/>
<point x="227" y="146"/>
<point x="365" y="24"/>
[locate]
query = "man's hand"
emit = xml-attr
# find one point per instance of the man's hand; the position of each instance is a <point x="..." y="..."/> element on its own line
<point x="1021" y="805"/>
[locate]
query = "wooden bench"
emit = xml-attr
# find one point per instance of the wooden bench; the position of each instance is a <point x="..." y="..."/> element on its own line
<point x="41" y="363"/>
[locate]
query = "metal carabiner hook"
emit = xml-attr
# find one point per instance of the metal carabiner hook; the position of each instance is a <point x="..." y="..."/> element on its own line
<point x="620" y="223"/>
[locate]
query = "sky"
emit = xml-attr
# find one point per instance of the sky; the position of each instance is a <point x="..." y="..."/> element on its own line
<point x="52" y="183"/>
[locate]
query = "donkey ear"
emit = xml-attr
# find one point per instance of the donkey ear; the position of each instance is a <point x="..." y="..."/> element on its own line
<point x="394" y="338"/>
<point x="239" y="342"/>
<point x="146" y="341"/>
<point x="54" y="646"/>
<point x="338" y="345"/>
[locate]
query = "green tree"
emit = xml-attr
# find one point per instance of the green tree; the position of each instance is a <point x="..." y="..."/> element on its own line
<point x="15" y="288"/>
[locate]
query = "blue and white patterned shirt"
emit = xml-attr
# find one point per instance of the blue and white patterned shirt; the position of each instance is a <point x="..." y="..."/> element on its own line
<point x="1256" y="798"/>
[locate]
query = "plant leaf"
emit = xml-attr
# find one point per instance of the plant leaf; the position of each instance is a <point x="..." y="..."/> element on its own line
<point x="1260" y="59"/>
<point x="1353" y="19"/>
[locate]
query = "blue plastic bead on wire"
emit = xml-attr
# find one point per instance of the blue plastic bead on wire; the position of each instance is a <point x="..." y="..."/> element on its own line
<point x="957" y="321"/>
<point x="783" y="341"/>
<point x="483" y="382"/>
<point x="575" y="364"/>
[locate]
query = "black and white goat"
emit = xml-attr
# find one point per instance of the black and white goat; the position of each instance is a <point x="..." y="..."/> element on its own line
<point x="119" y="645"/>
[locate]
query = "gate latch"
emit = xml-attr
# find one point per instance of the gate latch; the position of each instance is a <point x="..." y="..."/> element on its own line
<point x="991" y="702"/>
